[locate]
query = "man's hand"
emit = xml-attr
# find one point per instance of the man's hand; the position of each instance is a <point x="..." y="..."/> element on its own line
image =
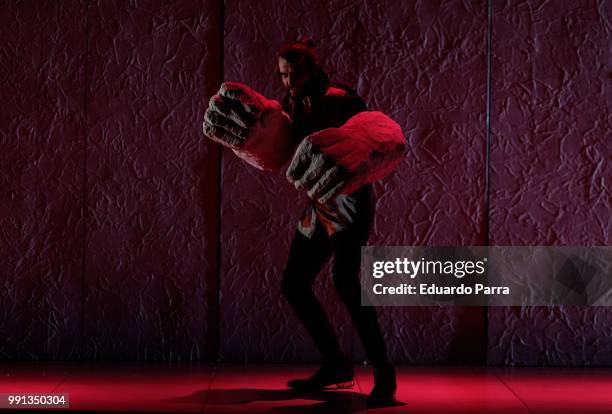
<point x="254" y="127"/>
<point x="340" y="160"/>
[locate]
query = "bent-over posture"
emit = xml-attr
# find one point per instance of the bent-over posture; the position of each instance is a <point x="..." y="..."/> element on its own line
<point x="338" y="149"/>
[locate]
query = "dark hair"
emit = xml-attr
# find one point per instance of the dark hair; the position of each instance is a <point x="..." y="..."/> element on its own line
<point x="304" y="50"/>
<point x="294" y="52"/>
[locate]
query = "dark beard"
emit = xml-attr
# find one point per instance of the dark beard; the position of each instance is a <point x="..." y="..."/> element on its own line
<point x="313" y="88"/>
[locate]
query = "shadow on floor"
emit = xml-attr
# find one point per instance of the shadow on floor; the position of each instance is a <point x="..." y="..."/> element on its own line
<point x="330" y="401"/>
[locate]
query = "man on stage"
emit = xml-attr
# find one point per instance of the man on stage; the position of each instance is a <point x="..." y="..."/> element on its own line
<point x="339" y="148"/>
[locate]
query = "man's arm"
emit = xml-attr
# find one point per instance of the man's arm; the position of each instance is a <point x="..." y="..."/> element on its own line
<point x="367" y="148"/>
<point x="254" y="127"/>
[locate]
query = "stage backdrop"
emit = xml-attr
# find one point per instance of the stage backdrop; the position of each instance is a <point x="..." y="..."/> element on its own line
<point x="127" y="236"/>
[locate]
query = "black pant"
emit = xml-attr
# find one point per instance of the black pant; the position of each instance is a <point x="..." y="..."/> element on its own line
<point x="306" y="258"/>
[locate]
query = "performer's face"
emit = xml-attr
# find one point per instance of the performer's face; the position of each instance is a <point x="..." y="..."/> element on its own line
<point x="294" y="76"/>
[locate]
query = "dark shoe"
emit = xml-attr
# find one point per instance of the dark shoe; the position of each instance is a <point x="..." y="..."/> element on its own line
<point x="383" y="393"/>
<point x="339" y="375"/>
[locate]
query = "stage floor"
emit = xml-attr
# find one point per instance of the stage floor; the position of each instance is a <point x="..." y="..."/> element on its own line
<point x="226" y="388"/>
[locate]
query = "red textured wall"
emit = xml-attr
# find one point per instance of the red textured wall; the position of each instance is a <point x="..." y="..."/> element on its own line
<point x="146" y="240"/>
<point x="42" y="128"/>
<point x="550" y="164"/>
<point x="109" y="192"/>
<point x="122" y="228"/>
